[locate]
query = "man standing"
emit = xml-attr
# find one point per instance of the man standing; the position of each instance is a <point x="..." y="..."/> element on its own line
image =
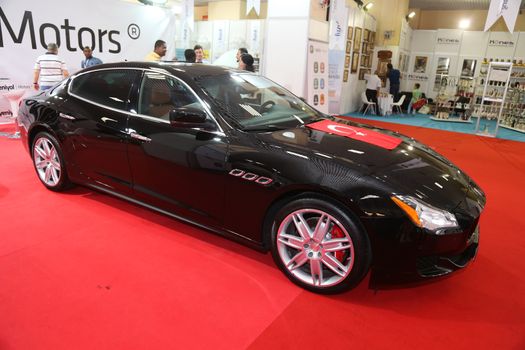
<point x="50" y="69"/>
<point x="90" y="60"/>
<point x="393" y="76"/>
<point x="373" y="85"/>
<point x="158" y="52"/>
<point x="199" y="54"/>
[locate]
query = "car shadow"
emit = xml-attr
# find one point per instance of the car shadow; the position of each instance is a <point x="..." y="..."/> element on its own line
<point x="173" y="224"/>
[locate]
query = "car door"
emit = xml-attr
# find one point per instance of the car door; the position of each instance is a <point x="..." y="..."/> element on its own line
<point x="95" y="120"/>
<point x="177" y="168"/>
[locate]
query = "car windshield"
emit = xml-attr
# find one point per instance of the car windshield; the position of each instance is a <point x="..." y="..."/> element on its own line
<point x="257" y="103"/>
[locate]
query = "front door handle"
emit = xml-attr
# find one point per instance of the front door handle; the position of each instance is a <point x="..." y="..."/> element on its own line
<point x="140" y="137"/>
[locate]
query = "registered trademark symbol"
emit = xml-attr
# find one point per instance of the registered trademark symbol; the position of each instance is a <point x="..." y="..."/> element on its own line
<point x="133" y="31"/>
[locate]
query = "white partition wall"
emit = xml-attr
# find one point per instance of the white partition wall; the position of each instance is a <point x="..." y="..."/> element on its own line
<point x="286" y="41"/>
<point x="456" y="46"/>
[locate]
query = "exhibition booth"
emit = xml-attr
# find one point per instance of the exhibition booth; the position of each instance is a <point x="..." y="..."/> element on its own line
<point x="324" y="59"/>
<point x="158" y="205"/>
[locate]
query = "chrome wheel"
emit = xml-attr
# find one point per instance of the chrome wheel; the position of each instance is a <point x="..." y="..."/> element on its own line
<point x="47" y="162"/>
<point x="315" y="248"/>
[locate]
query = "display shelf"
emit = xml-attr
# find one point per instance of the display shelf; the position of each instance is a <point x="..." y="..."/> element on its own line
<point x="496" y="82"/>
<point x="452" y="120"/>
<point x="490" y="99"/>
<point x="511" y="128"/>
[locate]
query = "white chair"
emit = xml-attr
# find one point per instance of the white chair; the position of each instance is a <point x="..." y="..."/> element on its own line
<point x="369" y="104"/>
<point x="398" y="104"/>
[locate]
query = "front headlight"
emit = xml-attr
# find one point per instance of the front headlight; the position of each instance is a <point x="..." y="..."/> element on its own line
<point x="424" y="215"/>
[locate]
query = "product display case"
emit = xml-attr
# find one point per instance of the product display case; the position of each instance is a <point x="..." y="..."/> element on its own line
<point x="513" y="116"/>
<point x="489" y="106"/>
<point x="454" y="100"/>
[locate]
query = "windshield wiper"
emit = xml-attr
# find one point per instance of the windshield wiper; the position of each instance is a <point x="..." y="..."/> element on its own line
<point x="269" y="127"/>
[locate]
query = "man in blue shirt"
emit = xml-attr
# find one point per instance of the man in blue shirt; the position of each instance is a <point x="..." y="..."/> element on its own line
<point x="393" y="76"/>
<point x="90" y="60"/>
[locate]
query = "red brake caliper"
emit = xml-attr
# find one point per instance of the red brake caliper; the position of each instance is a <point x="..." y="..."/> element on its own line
<point x="338" y="233"/>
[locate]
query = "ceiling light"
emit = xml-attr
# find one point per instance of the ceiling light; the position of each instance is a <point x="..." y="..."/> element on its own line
<point x="410" y="15"/>
<point x="464" y="23"/>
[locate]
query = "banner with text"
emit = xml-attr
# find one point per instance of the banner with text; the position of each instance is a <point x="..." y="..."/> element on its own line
<point x="317" y="75"/>
<point x="27" y="26"/>
<point x="508" y="9"/>
<point x="336" y="56"/>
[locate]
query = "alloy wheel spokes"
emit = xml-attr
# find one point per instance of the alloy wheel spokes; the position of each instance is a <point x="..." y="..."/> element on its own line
<point x="46" y="161"/>
<point x="312" y="251"/>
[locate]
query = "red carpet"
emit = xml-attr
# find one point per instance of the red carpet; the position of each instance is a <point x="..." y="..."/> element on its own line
<point x="83" y="270"/>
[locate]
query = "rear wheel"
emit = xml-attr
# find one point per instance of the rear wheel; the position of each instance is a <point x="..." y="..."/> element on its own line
<point x="49" y="162"/>
<point x="319" y="246"/>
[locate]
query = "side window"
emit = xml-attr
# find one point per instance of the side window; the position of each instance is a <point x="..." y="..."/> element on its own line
<point x="108" y="87"/>
<point x="160" y="94"/>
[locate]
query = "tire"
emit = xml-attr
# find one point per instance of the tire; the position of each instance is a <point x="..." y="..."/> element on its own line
<point x="49" y="162"/>
<point x="319" y="246"/>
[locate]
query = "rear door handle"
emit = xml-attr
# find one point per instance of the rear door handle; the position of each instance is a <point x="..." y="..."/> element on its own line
<point x="66" y="116"/>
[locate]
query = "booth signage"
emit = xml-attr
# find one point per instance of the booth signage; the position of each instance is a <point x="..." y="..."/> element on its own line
<point x="417" y="77"/>
<point x="27" y="26"/>
<point x="448" y="41"/>
<point x="501" y="43"/>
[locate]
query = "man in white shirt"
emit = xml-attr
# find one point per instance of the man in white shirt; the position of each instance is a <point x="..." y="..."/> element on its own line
<point x="373" y="84"/>
<point x="50" y="69"/>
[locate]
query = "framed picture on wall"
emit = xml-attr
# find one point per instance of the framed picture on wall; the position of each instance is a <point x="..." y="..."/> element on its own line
<point x="366" y="35"/>
<point x="348" y="47"/>
<point x="420" y="64"/>
<point x="355" y="62"/>
<point x="347" y="61"/>
<point x="362" y="73"/>
<point x="468" y="68"/>
<point x="364" y="61"/>
<point x="357" y="39"/>
<point x="443" y="65"/>
<point x="349" y="33"/>
<point x="345" y="76"/>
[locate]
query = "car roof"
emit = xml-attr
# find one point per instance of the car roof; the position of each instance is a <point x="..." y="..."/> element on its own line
<point x="194" y="70"/>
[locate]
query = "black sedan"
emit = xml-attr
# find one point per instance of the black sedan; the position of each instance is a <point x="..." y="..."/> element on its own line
<point x="234" y="153"/>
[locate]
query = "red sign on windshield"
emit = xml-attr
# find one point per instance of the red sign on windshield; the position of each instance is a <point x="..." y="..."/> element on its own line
<point x="353" y="132"/>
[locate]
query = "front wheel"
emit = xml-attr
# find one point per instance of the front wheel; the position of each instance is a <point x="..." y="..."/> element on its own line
<point x="319" y="246"/>
<point x="49" y="162"/>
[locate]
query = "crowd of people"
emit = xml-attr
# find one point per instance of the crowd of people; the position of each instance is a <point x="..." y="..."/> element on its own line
<point x="50" y="68"/>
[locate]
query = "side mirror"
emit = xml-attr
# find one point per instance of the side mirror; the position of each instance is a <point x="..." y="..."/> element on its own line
<point x="187" y="115"/>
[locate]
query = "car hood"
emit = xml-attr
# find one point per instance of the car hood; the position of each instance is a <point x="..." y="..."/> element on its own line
<point x="399" y="165"/>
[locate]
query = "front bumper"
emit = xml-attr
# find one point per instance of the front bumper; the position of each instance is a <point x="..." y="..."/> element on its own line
<point x="442" y="265"/>
<point x="403" y="253"/>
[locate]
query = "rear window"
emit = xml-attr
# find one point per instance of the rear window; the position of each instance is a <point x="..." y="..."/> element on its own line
<point x="110" y="88"/>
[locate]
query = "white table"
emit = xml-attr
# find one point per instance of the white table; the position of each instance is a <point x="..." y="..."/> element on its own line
<point x="14" y="97"/>
<point x="385" y="104"/>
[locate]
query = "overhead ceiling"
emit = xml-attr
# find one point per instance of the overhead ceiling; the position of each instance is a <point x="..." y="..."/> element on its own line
<point x="452" y="4"/>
